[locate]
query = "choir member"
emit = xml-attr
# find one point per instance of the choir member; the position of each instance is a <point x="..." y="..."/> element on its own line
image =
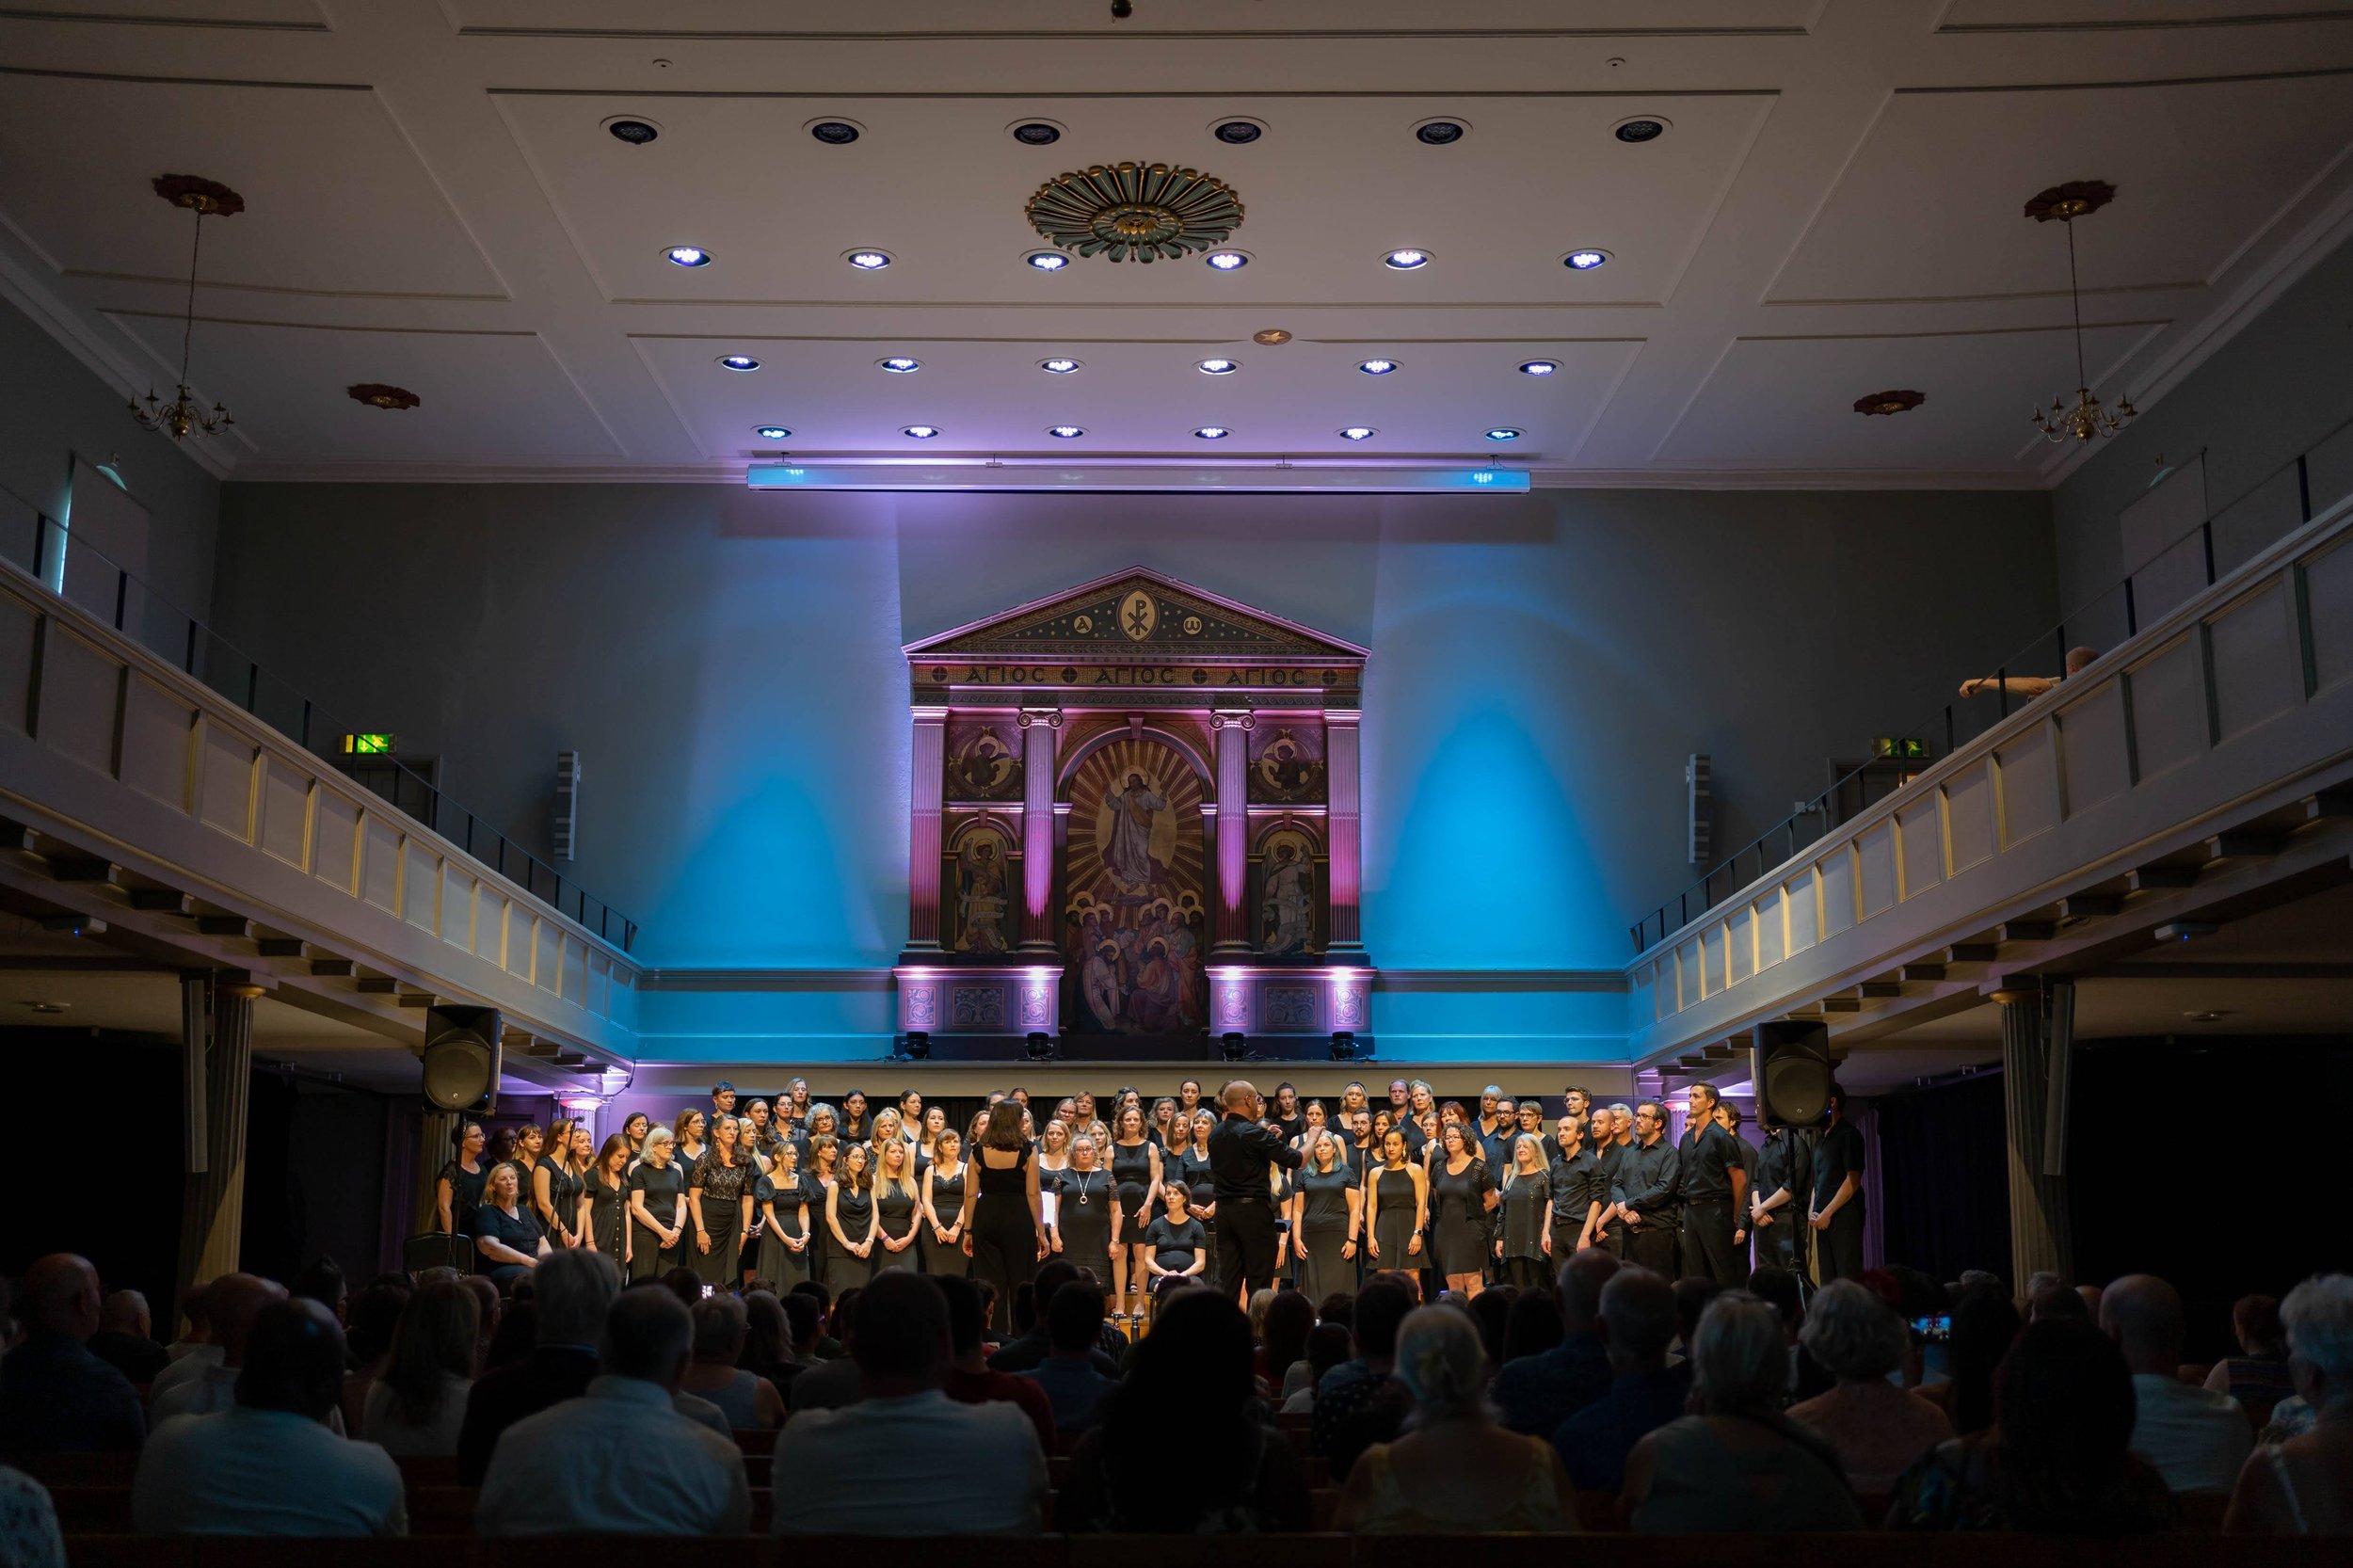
<point x="1523" y="1240"/>
<point x="911" y="1115"/>
<point x="1200" y="1182"/>
<point x="1136" y="1171"/>
<point x="1173" y="1245"/>
<point x="1164" y="1122"/>
<point x="722" y="1104"/>
<point x="1282" y="1185"/>
<point x="887" y="1128"/>
<point x="941" y="1184"/>
<point x="898" y="1207"/>
<point x="719" y="1201"/>
<point x="634" y="1130"/>
<point x="927" y="1146"/>
<point x="1005" y="1228"/>
<point x="850" y="1222"/>
<point x="1362" y="1149"/>
<point x="822" y="1119"/>
<point x="1053" y="1156"/>
<point x="763" y="1129"/>
<point x="856" y="1125"/>
<point x="1580" y="1191"/>
<point x="1086" y="1212"/>
<point x="457" y="1190"/>
<point x="657" y="1207"/>
<point x="1326" y="1211"/>
<point x="821" y="1165"/>
<point x="1083" y="1104"/>
<point x="1353" y="1099"/>
<point x="1461" y="1194"/>
<point x="783" y="1204"/>
<point x="691" y="1130"/>
<point x="530" y="1147"/>
<point x="1609" y="1130"/>
<point x="502" y="1148"/>
<point x="1286" y="1113"/>
<point x="1532" y="1124"/>
<point x="558" y="1182"/>
<point x="605" y="1224"/>
<point x="1313" y="1122"/>
<point x="1396" y="1207"/>
<point x="508" y="1241"/>
<point x="1189" y="1096"/>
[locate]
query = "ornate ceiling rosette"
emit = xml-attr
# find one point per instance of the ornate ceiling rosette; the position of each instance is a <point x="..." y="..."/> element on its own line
<point x="1133" y="211"/>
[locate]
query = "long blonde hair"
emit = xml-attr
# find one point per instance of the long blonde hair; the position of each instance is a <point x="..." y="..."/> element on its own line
<point x="884" y="1180"/>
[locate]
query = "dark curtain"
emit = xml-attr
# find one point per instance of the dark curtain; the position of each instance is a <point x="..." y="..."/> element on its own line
<point x="1942" y="1158"/>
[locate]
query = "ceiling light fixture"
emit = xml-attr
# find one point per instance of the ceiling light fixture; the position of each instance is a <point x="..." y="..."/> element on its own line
<point x="1505" y="433"/>
<point x="1060" y="367"/>
<point x="688" y="255"/>
<point x="1134" y="212"/>
<point x="1237" y="133"/>
<point x="1584" y="260"/>
<point x="1274" y="337"/>
<point x="205" y="199"/>
<point x="739" y="361"/>
<point x="375" y="395"/>
<point x="2086" y="420"/>
<point x="1212" y="433"/>
<point x="1901" y="401"/>
<point x="1440" y="133"/>
<point x="1228" y="260"/>
<point x="1064" y="432"/>
<point x="1405" y="261"/>
<point x="636" y="133"/>
<point x="867" y="261"/>
<point x="921" y="432"/>
<point x="1218" y="367"/>
<point x="899" y="365"/>
<point x="1641" y="128"/>
<point x="1357" y="432"/>
<point x="835" y="133"/>
<point x="772" y="432"/>
<point x="1376" y="367"/>
<point x="1539" y="367"/>
<point x="1047" y="261"/>
<point x="1038" y="133"/>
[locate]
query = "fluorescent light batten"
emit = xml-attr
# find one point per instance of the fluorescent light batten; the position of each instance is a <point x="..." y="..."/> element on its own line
<point x="980" y="476"/>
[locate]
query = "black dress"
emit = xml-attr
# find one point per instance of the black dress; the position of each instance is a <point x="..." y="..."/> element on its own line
<point x="946" y="1258"/>
<point x="564" y="1190"/>
<point x="520" y="1230"/>
<point x="1393" y="1226"/>
<point x="1192" y="1169"/>
<point x="1004" y="1232"/>
<point x="853" y="1212"/>
<point x="663" y="1186"/>
<point x="1132" y="1170"/>
<point x="607" y="1218"/>
<point x="779" y="1264"/>
<point x="1084" y="1219"/>
<point x="465" y="1195"/>
<point x="894" y="1204"/>
<point x="1458" y="1217"/>
<point x="1525" y="1214"/>
<point x="724" y="1187"/>
<point x="1174" y="1247"/>
<point x="1323" y="1231"/>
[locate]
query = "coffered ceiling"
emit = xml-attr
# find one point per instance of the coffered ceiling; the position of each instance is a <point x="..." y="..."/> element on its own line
<point x="1834" y="209"/>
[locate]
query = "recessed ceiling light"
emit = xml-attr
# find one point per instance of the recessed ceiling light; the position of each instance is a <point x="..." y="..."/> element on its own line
<point x="1038" y="133"/>
<point x="1440" y="133"/>
<point x="1218" y="367"/>
<point x="867" y="261"/>
<point x="1405" y="261"/>
<point x="1048" y="261"/>
<point x="1059" y="367"/>
<point x="1064" y="432"/>
<point x="1639" y="129"/>
<point x="772" y="432"/>
<point x="833" y="133"/>
<point x="48" y="1009"/>
<point x="1376" y="367"/>
<point x="1505" y="433"/>
<point x="1226" y="261"/>
<point x="688" y="255"/>
<point x="921" y="432"/>
<point x="1584" y="260"/>
<point x="1357" y="432"/>
<point x="636" y="133"/>
<point x="1238" y="132"/>
<point x="1539" y="367"/>
<point x="739" y="361"/>
<point x="1213" y="432"/>
<point x="898" y="364"/>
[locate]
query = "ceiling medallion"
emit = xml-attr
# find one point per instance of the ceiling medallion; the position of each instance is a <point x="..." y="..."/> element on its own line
<point x="1273" y="337"/>
<point x="2087" y="420"/>
<point x="205" y="199"/>
<point x="375" y="395"/>
<point x="1135" y="212"/>
<point x="1889" y="403"/>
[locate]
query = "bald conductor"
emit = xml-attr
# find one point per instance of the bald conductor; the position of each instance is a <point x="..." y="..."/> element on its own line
<point x="1241" y="1148"/>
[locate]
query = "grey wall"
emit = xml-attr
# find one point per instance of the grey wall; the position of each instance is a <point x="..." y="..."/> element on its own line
<point x="728" y="662"/>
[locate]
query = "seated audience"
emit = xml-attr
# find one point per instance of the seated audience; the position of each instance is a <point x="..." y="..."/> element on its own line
<point x="2057" y="1301"/>
<point x="1876" y="1428"/>
<point x="1360" y="1402"/>
<point x="1737" y="1463"/>
<point x="55" y="1396"/>
<point x="748" y="1402"/>
<point x="907" y="1459"/>
<point x="1454" y="1471"/>
<point x="125" y="1339"/>
<point x="774" y="1346"/>
<point x="1537" y="1393"/>
<point x="1027" y="1349"/>
<point x="2303" y="1484"/>
<point x="572" y="1291"/>
<point x="196" y="1311"/>
<point x="2257" y="1377"/>
<point x="1178" y="1449"/>
<point x="1637" y="1324"/>
<point x="368" y="1339"/>
<point x="1984" y="1326"/>
<point x="1283" y="1344"/>
<point x="30" y="1537"/>
<point x="1535" y="1326"/>
<point x="2196" y="1438"/>
<point x="833" y="1384"/>
<point x="1692" y="1293"/>
<point x="322" y="1281"/>
<point x="1328" y="1346"/>
<point x="2056" y="1459"/>
<point x="619" y="1460"/>
<point x="419" y="1405"/>
<point x="1074" y="1325"/>
<point x="269" y="1464"/>
<point x="237" y="1301"/>
<point x="970" y="1380"/>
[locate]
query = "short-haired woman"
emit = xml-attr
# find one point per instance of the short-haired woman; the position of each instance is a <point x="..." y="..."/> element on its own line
<point x="657" y="1207"/>
<point x="418" y="1404"/>
<point x="1085" y="1230"/>
<point x="1461" y="1194"/>
<point x="1004" y="1225"/>
<point x="941" y="1186"/>
<point x="507" y="1239"/>
<point x="850" y="1222"/>
<point x="1878" y="1428"/>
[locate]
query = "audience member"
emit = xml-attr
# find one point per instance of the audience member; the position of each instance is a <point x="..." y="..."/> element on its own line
<point x="1636" y="1323"/>
<point x="970" y="1380"/>
<point x="2057" y="1301"/>
<point x="1534" y="1327"/>
<point x="907" y="1459"/>
<point x="2195" y="1437"/>
<point x="419" y="1405"/>
<point x="1490" y="1315"/>
<point x="55" y="1396"/>
<point x="202" y="1388"/>
<point x="1074" y="1323"/>
<point x="1984" y="1326"/>
<point x="1029" y="1348"/>
<point x="770" y="1341"/>
<point x="2304" y="1485"/>
<point x="323" y="1282"/>
<point x="1876" y="1428"/>
<point x="1282" y="1336"/>
<point x="1328" y="1346"/>
<point x="1536" y="1393"/>
<point x="618" y="1459"/>
<point x="2055" y="1460"/>
<point x="30" y="1537"/>
<point x="368" y="1340"/>
<point x="1692" y="1293"/>
<point x="1359" y="1402"/>
<point x="833" y="1384"/>
<point x="125" y="1339"/>
<point x="197" y="1312"/>
<point x="1189" y="1398"/>
<point x="748" y="1402"/>
<point x="2257" y="1377"/>
<point x="269" y="1464"/>
<point x="1737" y="1463"/>
<point x="1454" y="1471"/>
<point x="573" y="1291"/>
<point x="517" y="1335"/>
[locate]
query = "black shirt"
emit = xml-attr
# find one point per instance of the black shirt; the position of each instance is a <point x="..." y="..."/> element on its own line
<point x="1579" y="1182"/>
<point x="1609" y="1159"/>
<point x="1838" y="1157"/>
<point x="1651" y="1178"/>
<point x="1777" y="1167"/>
<point x="1240" y="1152"/>
<point x="520" y="1230"/>
<point x="1708" y="1160"/>
<point x="1174" y="1247"/>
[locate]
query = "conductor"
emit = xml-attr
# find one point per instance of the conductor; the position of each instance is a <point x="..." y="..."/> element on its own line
<point x="1240" y="1147"/>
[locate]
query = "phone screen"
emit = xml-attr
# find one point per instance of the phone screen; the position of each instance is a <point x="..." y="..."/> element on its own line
<point x="708" y="1289"/>
<point x="1933" y="1331"/>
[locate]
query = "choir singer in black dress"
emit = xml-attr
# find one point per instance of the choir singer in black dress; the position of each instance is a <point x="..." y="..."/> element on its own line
<point x="1005" y="1229"/>
<point x="1241" y="1149"/>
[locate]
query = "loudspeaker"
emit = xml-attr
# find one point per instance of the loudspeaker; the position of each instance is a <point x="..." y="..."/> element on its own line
<point x="436" y="1249"/>
<point x="461" y="1057"/>
<point x="1790" y="1063"/>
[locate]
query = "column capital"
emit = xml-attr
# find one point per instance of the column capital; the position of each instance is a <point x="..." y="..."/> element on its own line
<point x="1050" y="717"/>
<point x="1243" y="719"/>
<point x="923" y="714"/>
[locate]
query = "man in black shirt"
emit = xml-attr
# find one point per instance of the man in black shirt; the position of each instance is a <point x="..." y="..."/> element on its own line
<point x="1580" y="1191"/>
<point x="1714" y="1189"/>
<point x="1241" y="1148"/>
<point x="1836" y="1216"/>
<point x="1651" y="1176"/>
<point x="1609" y="1151"/>
<point x="1773" y="1211"/>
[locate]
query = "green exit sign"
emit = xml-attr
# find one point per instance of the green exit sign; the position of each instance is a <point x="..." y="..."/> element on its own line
<point x="1898" y="745"/>
<point x="371" y="746"/>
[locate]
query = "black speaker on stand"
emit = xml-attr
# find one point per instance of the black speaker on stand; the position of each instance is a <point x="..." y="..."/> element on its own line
<point x="461" y="1057"/>
<point x="1790" y="1063"/>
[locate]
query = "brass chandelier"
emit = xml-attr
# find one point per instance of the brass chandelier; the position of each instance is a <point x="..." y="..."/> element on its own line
<point x="1135" y="210"/>
<point x="2087" y="418"/>
<point x="183" y="414"/>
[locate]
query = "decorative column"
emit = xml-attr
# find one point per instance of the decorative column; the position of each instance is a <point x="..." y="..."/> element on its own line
<point x="1232" y="933"/>
<point x="219" y="1039"/>
<point x="1039" y="731"/>
<point x="1344" y="786"/>
<point x="2041" y="1235"/>
<point x="923" y="794"/>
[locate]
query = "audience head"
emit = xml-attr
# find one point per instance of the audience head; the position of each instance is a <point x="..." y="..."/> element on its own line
<point x="1534" y="1325"/>
<point x="1490" y="1315"/>
<point x="1338" y="1307"/>
<point x="968" y="1313"/>
<point x="767" y="1334"/>
<point x="374" y="1319"/>
<point x="2057" y="1301"/>
<point x="434" y="1341"/>
<point x="1328" y="1346"/>
<point x="1692" y="1294"/>
<point x="1740" y="1361"/>
<point x="576" y="1290"/>
<point x="2041" y="1280"/>
<point x="804" y="1324"/>
<point x="1779" y="1288"/>
<point x="1382" y="1308"/>
<point x="238" y="1301"/>
<point x="1580" y="1281"/>
<point x="125" y="1312"/>
<point x="686" y="1284"/>
<point x="61" y="1296"/>
<point x="294" y="1358"/>
<point x="1289" y="1319"/>
<point x="2064" y="1400"/>
<point x="2143" y="1315"/>
<point x="323" y="1282"/>
<point x="196" y="1305"/>
<point x="900" y="1336"/>
<point x="1854" y="1334"/>
<point x="2256" y="1321"/>
<point x="1442" y="1363"/>
<point x="647" y="1336"/>
<point x="2081" y="659"/>
<point x="1638" y="1318"/>
<point x="1984" y="1325"/>
<point x="1074" y="1317"/>
<point x="486" y="1297"/>
<point x="721" y="1323"/>
<point x="2318" y="1319"/>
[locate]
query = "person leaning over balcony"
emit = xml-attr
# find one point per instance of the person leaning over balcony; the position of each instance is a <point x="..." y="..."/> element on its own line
<point x="2078" y="660"/>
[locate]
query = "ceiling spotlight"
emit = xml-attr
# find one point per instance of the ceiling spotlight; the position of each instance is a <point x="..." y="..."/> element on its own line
<point x="1584" y="260"/>
<point x="1539" y="367"/>
<point x="1405" y="261"/>
<point x="1226" y="261"/>
<point x="1238" y="132"/>
<point x="688" y="255"/>
<point x="739" y="361"/>
<point x="921" y="432"/>
<point x="636" y="133"/>
<point x="1505" y="433"/>
<point x="772" y="433"/>
<point x="1059" y="367"/>
<point x="867" y="261"/>
<point x="1047" y="261"/>
<point x="1376" y="367"/>
<point x="1641" y="129"/>
<point x="1218" y="367"/>
<point x="1038" y="133"/>
<point x="900" y="365"/>
<point x="833" y="133"/>
<point x="1439" y="133"/>
<point x="1212" y="432"/>
<point x="1064" y="432"/>
<point x="1357" y="433"/>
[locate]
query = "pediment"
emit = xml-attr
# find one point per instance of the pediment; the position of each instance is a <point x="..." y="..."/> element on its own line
<point x="1138" y="612"/>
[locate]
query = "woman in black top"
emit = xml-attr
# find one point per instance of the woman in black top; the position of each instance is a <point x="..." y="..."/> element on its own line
<point x="507" y="1239"/>
<point x="898" y="1207"/>
<point x="783" y="1203"/>
<point x="856" y="1127"/>
<point x="850" y="1222"/>
<point x="820" y="1171"/>
<point x="1136" y="1172"/>
<point x="604" y="1206"/>
<point x="1396" y="1207"/>
<point x="1086" y="1213"/>
<point x="634" y="1130"/>
<point x="457" y="1190"/>
<point x="941" y="1186"/>
<point x="555" y="1187"/>
<point x="1286" y="1113"/>
<point x="1461" y="1193"/>
<point x="1524" y="1239"/>
<point x="1162" y="1130"/>
<point x="719" y="1201"/>
<point x="1326" y="1210"/>
<point x="1005" y="1232"/>
<point x="1202" y="1184"/>
<point x="1173" y="1245"/>
<point x="657" y="1208"/>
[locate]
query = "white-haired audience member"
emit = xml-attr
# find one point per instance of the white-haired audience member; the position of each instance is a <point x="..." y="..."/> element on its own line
<point x="30" y="1537"/>
<point x="1739" y="1464"/>
<point x="2196" y="1439"/>
<point x="1453" y="1470"/>
<point x="2304" y="1486"/>
<point x="1876" y="1428"/>
<point x="194" y="1387"/>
